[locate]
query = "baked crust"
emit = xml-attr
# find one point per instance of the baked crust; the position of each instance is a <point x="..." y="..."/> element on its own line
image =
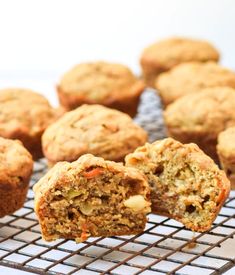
<point x="24" y="115"/>
<point x="206" y="141"/>
<point x="166" y="54"/>
<point x="226" y="153"/>
<point x="111" y="85"/>
<point x="16" y="166"/>
<point x="200" y="117"/>
<point x="93" y="129"/>
<point x="185" y="183"/>
<point x="91" y="197"/>
<point x="191" y="78"/>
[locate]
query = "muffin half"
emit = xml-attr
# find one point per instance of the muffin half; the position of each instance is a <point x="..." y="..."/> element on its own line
<point x="91" y="197"/>
<point x="108" y="84"/>
<point x="185" y="183"/>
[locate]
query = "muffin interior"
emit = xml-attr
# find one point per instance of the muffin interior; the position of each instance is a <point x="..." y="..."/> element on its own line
<point x="98" y="203"/>
<point x="181" y="189"/>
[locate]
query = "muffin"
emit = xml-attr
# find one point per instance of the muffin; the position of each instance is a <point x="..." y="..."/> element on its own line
<point x="93" y="129"/>
<point x="186" y="184"/>
<point x="226" y="153"/>
<point x="200" y="117"/>
<point x="111" y="85"/>
<point x="24" y="115"/>
<point x="91" y="197"/>
<point x="16" y="166"/>
<point x="190" y="78"/>
<point x="165" y="54"/>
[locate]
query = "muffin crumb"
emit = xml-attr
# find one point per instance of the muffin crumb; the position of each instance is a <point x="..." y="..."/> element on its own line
<point x="188" y="187"/>
<point x="91" y="197"/>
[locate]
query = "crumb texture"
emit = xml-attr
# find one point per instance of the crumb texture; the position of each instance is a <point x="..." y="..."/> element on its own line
<point x="192" y="77"/>
<point x="185" y="183"/>
<point x="92" y="129"/>
<point x="91" y="197"/>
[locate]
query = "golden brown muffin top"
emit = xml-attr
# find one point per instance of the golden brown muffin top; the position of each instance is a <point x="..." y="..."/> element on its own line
<point x="226" y="143"/>
<point x="15" y="162"/>
<point x="210" y="111"/>
<point x="92" y="129"/>
<point x="192" y="77"/>
<point x="23" y="111"/>
<point x="99" y="80"/>
<point x="170" y="52"/>
<point x="171" y="150"/>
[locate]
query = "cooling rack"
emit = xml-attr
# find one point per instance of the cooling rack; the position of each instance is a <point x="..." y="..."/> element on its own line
<point x="164" y="247"/>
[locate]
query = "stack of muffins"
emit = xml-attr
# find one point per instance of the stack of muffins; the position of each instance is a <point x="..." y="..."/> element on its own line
<point x="197" y="95"/>
<point x="86" y="193"/>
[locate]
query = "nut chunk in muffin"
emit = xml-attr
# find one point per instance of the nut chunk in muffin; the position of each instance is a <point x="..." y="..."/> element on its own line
<point x="91" y="197"/>
<point x="108" y="84"/>
<point x="24" y="115"/>
<point x="165" y="54"/>
<point x="185" y="183"/>
<point x="16" y="166"/>
<point x="226" y="153"/>
<point x="199" y="118"/>
<point x="92" y="129"/>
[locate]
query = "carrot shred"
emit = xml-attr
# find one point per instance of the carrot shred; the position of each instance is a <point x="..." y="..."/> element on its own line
<point x="93" y="173"/>
<point x="84" y="235"/>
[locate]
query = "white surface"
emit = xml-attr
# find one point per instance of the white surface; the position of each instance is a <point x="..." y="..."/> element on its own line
<point x="42" y="39"/>
<point x="10" y="271"/>
<point x="230" y="272"/>
<point x="51" y="36"/>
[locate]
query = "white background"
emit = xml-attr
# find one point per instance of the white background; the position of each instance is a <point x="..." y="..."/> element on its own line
<point x="42" y="39"/>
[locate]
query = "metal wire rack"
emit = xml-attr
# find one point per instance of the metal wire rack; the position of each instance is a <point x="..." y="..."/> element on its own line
<point x="164" y="247"/>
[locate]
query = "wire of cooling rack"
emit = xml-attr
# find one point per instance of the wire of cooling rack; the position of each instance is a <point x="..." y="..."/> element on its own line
<point x="165" y="247"/>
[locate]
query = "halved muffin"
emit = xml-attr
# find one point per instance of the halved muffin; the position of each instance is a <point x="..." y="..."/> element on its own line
<point x="185" y="183"/>
<point x="91" y="197"/>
